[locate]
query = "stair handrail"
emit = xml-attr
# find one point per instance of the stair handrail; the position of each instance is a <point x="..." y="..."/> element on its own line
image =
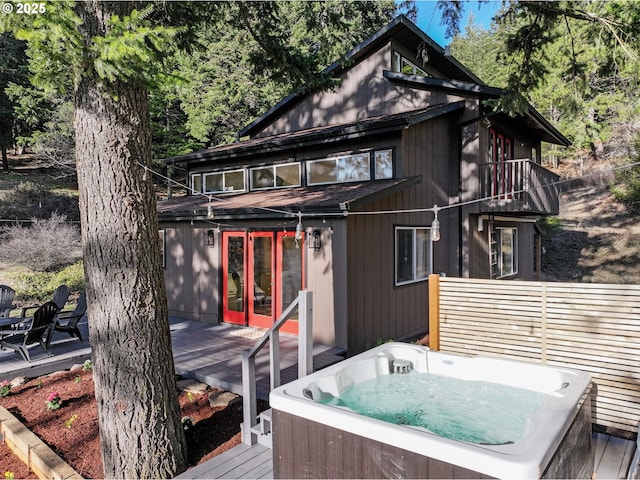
<point x="272" y="336"/>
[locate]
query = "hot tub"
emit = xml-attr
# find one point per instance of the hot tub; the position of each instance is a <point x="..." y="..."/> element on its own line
<point x="317" y="433"/>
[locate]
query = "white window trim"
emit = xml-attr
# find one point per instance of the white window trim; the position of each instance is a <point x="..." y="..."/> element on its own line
<point x="414" y="259"/>
<point x="273" y="167"/>
<point x="336" y="159"/>
<point x="224" y="187"/>
<point x="514" y="267"/>
<point x="191" y="186"/>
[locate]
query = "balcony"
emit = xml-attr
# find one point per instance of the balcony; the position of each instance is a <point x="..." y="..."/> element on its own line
<point x="518" y="186"/>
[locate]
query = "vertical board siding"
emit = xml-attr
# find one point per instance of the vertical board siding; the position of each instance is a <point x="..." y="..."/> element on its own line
<point x="589" y="327"/>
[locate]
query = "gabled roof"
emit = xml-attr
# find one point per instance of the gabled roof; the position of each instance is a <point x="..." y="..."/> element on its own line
<point x="320" y="135"/>
<point x="333" y="199"/>
<point x="532" y="120"/>
<point x="405" y="32"/>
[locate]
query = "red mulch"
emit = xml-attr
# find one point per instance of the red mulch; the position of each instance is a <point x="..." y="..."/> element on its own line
<point x="215" y="429"/>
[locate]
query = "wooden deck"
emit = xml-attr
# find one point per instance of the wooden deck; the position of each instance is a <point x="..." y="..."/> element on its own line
<point x="613" y="456"/>
<point x="210" y="353"/>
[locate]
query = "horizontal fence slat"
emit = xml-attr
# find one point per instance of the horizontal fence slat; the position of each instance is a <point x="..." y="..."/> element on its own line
<point x="590" y="327"/>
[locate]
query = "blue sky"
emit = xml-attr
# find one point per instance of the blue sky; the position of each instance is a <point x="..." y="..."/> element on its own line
<point x="429" y="17"/>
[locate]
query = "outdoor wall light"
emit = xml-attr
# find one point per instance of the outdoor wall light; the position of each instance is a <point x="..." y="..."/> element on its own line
<point x="315" y="240"/>
<point x="211" y="238"/>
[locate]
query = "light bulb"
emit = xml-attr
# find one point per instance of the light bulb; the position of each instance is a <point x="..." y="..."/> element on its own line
<point x="435" y="230"/>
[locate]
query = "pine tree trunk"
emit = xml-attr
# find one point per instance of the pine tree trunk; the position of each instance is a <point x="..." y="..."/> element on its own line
<point x="5" y="160"/>
<point x="140" y="429"/>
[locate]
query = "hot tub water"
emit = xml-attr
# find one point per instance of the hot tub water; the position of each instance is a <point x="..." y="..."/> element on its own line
<point x="476" y="412"/>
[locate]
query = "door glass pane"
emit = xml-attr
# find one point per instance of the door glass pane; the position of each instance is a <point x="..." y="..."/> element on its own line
<point x="291" y="272"/>
<point x="235" y="280"/>
<point x="262" y="261"/>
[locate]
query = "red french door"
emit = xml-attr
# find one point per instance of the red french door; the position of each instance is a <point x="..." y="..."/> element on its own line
<point x="234" y="268"/>
<point x="262" y="273"/>
<point x="502" y="169"/>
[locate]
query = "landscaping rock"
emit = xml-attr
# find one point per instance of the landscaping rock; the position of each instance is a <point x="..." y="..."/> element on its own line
<point x="223" y="399"/>
<point x="18" y="381"/>
<point x="192" y="386"/>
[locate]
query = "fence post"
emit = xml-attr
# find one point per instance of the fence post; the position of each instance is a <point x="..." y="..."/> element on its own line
<point x="305" y="333"/>
<point x="434" y="312"/>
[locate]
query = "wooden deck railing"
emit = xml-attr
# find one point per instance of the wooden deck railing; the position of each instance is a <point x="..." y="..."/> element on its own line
<point x="303" y="304"/>
<point x="519" y="186"/>
<point x="590" y="327"/>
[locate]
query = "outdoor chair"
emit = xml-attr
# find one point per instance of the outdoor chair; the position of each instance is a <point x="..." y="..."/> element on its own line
<point x="60" y="297"/>
<point x="68" y="321"/>
<point x="6" y="300"/>
<point x="37" y="332"/>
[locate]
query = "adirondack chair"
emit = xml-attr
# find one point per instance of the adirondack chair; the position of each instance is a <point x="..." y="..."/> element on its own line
<point x="68" y="321"/>
<point x="6" y="300"/>
<point x="37" y="332"/>
<point x="60" y="297"/>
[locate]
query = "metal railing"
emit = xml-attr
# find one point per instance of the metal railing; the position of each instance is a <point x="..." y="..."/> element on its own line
<point x="304" y="306"/>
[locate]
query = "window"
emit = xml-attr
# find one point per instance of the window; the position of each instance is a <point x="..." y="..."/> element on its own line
<point x="230" y="181"/>
<point x="383" y="164"/>
<point x="275" y="176"/>
<point x="348" y="168"/>
<point x="402" y="65"/>
<point x="413" y="254"/>
<point x="504" y="251"/>
<point x="196" y="183"/>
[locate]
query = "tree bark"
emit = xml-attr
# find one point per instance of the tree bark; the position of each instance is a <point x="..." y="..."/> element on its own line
<point x="140" y="430"/>
<point x="5" y="160"/>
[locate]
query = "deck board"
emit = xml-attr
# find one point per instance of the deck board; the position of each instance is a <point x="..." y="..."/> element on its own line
<point x="613" y="456"/>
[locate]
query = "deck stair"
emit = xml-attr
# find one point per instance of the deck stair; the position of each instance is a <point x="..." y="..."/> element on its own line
<point x="263" y="429"/>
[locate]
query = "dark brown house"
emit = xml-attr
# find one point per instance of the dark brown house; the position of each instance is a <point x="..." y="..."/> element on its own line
<point x="335" y="192"/>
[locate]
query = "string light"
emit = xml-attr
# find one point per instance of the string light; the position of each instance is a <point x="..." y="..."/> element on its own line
<point x="435" y="225"/>
<point x="434" y="209"/>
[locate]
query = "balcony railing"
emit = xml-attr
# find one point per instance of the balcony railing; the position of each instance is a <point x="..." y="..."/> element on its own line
<point x="518" y="186"/>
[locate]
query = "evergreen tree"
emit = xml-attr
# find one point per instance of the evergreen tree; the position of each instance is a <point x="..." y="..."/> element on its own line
<point x="109" y="54"/>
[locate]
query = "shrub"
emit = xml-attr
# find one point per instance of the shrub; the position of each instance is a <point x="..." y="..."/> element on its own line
<point x="44" y="246"/>
<point x="626" y="186"/>
<point x="37" y="287"/>
<point x="29" y="199"/>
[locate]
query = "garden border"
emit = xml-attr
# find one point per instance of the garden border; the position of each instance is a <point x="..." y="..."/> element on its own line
<point x="38" y="456"/>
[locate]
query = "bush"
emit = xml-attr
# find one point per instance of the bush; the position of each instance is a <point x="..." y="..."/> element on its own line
<point x="38" y="287"/>
<point x="626" y="186"/>
<point x="44" y="246"/>
<point x="29" y="200"/>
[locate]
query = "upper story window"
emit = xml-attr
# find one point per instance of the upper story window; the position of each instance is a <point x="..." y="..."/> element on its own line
<point x="275" y="176"/>
<point x="383" y="164"/>
<point x="196" y="183"/>
<point x="348" y="168"/>
<point x="402" y="65"/>
<point x="355" y="167"/>
<point x="228" y="181"/>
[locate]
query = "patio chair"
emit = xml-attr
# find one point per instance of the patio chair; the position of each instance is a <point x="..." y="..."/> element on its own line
<point x="60" y="297"/>
<point x="6" y="300"/>
<point x="20" y="340"/>
<point x="68" y="321"/>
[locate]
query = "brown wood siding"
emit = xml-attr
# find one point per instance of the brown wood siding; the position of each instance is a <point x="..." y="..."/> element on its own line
<point x="378" y="310"/>
<point x="363" y="93"/>
<point x="306" y="449"/>
<point x="191" y="274"/>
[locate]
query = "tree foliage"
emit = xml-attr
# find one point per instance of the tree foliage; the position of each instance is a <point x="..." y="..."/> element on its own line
<point x="109" y="55"/>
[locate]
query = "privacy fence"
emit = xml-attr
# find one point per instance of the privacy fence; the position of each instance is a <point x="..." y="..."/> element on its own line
<point x="590" y="327"/>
